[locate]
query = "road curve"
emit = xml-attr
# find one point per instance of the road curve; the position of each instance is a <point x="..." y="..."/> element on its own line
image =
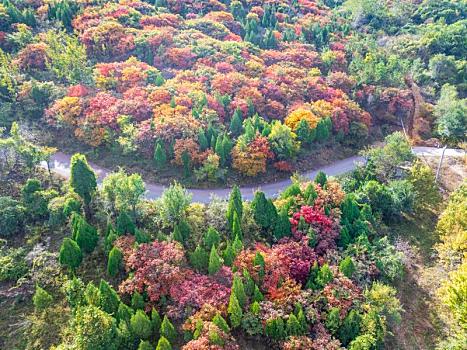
<point x="60" y="164"/>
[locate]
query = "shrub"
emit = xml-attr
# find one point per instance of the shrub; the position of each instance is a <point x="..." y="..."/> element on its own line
<point x="115" y="262"/>
<point x="109" y="299"/>
<point x="141" y="325"/>
<point x="125" y="224"/>
<point x="137" y="301"/>
<point x="199" y="259"/>
<point x="70" y="254"/>
<point x="41" y="299"/>
<point x="168" y="330"/>
<point x="145" y="345"/>
<point x="163" y="344"/>
<point x="219" y="321"/>
<point x="293" y="327"/>
<point x="333" y="320"/>
<point x="215" y="262"/>
<point x="235" y="311"/>
<point x="347" y="267"/>
<point x="12" y="216"/>
<point x="12" y="264"/>
<point x="239" y="290"/>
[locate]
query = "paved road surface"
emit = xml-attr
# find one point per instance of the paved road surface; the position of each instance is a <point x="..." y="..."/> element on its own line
<point x="60" y="164"/>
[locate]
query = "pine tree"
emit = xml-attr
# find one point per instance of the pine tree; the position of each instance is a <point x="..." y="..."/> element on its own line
<point x="350" y="327"/>
<point x="220" y="149"/>
<point x="282" y="228"/>
<point x="83" y="179"/>
<point x="304" y="133"/>
<point x="160" y="156"/>
<point x="227" y="146"/>
<point x="211" y="237"/>
<point x="202" y="140"/>
<point x="344" y="238"/>
<point x="219" y="321"/>
<point x="215" y="262"/>
<point x="141" y="237"/>
<point x="239" y="289"/>
<point x="228" y="255"/>
<point x="137" y="301"/>
<point x="322" y="130"/>
<point x="163" y="344"/>
<point x="159" y="80"/>
<point x="302" y="320"/>
<point x="41" y="299"/>
<point x="347" y="267"/>
<point x="333" y="320"/>
<point x="310" y="194"/>
<point x="236" y="126"/>
<point x="321" y="179"/>
<point x="156" y="321"/>
<point x="141" y="325"/>
<point x="125" y="224"/>
<point x="109" y="241"/>
<point x="92" y="295"/>
<point x="124" y="313"/>
<point x="199" y="259"/>
<point x="168" y="330"/>
<point x="109" y="299"/>
<point x="70" y="254"/>
<point x="275" y="328"/>
<point x="235" y="311"/>
<point x="235" y="206"/>
<point x="311" y="283"/>
<point x="237" y="228"/>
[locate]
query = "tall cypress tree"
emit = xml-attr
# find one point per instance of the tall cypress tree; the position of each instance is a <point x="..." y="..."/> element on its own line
<point x="215" y="262"/>
<point x="83" y="179"/>
<point x="237" y="228"/>
<point x="109" y="299"/>
<point x="70" y="254"/>
<point x="160" y="156"/>
<point x="235" y="205"/>
<point x="168" y="330"/>
<point x="202" y="140"/>
<point x="235" y="311"/>
<point x="282" y="228"/>
<point x="239" y="289"/>
<point x="236" y="126"/>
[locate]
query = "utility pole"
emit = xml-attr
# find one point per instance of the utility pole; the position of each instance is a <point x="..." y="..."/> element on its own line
<point x="440" y="163"/>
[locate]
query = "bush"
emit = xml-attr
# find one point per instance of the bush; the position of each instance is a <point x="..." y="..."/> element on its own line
<point x="141" y="325"/>
<point x="125" y="224"/>
<point x="115" y="262"/>
<point x="347" y="267"/>
<point x="109" y="299"/>
<point x="12" y="216"/>
<point x="163" y="344"/>
<point x="41" y="299"/>
<point x="12" y="264"/>
<point x="70" y="254"/>
<point x="215" y="262"/>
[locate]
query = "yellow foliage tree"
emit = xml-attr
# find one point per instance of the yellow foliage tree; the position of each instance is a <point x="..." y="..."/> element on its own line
<point x="294" y="118"/>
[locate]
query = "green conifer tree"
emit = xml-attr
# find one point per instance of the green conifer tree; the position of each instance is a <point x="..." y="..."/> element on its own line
<point x="41" y="299"/>
<point x="137" y="301"/>
<point x="145" y="345"/>
<point x="156" y="321"/>
<point x="160" y="156"/>
<point x="168" y="330"/>
<point x="86" y="237"/>
<point x="199" y="259"/>
<point x="124" y="313"/>
<point x="83" y="179"/>
<point x="235" y="206"/>
<point x="239" y="289"/>
<point x="141" y="325"/>
<point x="236" y="122"/>
<point x="228" y="255"/>
<point x="70" y="254"/>
<point x="282" y="228"/>
<point x="109" y="299"/>
<point x="237" y="245"/>
<point x="324" y="276"/>
<point x="235" y="311"/>
<point x="249" y="283"/>
<point x="125" y="224"/>
<point x="321" y="179"/>
<point x="211" y="238"/>
<point x="347" y="267"/>
<point x="293" y="327"/>
<point x="219" y="321"/>
<point x="186" y="161"/>
<point x="259" y="261"/>
<point x="215" y="262"/>
<point x="163" y="344"/>
<point x="257" y="295"/>
<point x="202" y="140"/>
<point x="237" y="226"/>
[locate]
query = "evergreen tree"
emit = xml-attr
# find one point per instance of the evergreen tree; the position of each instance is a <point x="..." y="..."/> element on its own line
<point x="324" y="276"/>
<point x="156" y="321"/>
<point x="186" y="160"/>
<point x="202" y="140"/>
<point x="177" y="235"/>
<point x="141" y="325"/>
<point x="70" y="254"/>
<point x="141" y="237"/>
<point x="235" y="206"/>
<point x="237" y="228"/>
<point x="163" y="344"/>
<point x="109" y="241"/>
<point x="321" y="179"/>
<point x="275" y="328"/>
<point x="237" y="245"/>
<point x="282" y="228"/>
<point x="159" y="80"/>
<point x="347" y="267"/>
<point x="344" y="238"/>
<point x="83" y="179"/>
<point x="215" y="262"/>
<point x="160" y="156"/>
<point x="219" y="321"/>
<point x="145" y="345"/>
<point x="322" y="130"/>
<point x="249" y="283"/>
<point x="239" y="289"/>
<point x="310" y="194"/>
<point x="227" y="145"/>
<point x="350" y="327"/>
<point x="228" y="255"/>
<point x="86" y="236"/>
<point x="137" y="301"/>
<point x="212" y="143"/>
<point x="311" y="283"/>
<point x="304" y="133"/>
<point x="259" y="261"/>
<point x="125" y="224"/>
<point x="235" y="311"/>
<point x="109" y="299"/>
<point x="257" y="295"/>
<point x="92" y="295"/>
<point x="211" y="238"/>
<point x="236" y="122"/>
<point x="293" y="327"/>
<point x="41" y="299"/>
<point x="168" y="330"/>
<point x="333" y="320"/>
<point x="255" y="308"/>
<point x="220" y="149"/>
<point x="302" y="320"/>
<point x="264" y="211"/>
<point x="199" y="259"/>
<point x="124" y="313"/>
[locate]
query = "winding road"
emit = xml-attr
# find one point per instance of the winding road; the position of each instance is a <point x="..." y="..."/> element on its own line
<point x="60" y="164"/>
